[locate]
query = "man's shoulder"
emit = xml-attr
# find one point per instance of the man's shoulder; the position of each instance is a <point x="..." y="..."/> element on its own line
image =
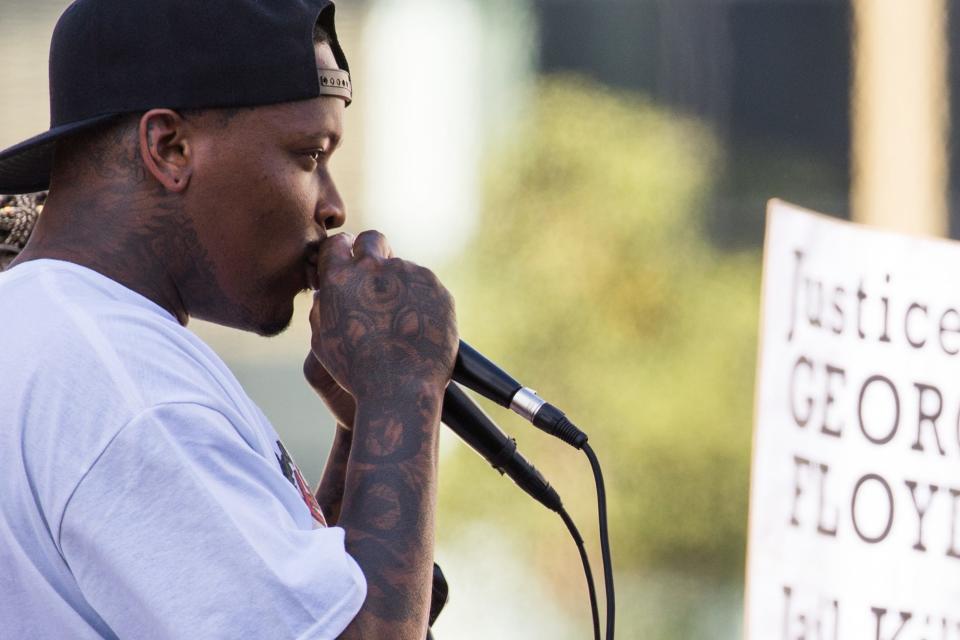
<point x="79" y="331"/>
<point x="54" y="290"/>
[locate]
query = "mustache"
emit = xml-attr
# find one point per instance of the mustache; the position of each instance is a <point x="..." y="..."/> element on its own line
<point x="310" y="254"/>
<point x="311" y="249"/>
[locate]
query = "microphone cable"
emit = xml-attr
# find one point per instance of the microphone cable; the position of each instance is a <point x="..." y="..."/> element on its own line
<point x="465" y="418"/>
<point x="604" y="538"/>
<point x="553" y="421"/>
<point x="472" y="369"/>
<point x="550" y="419"/>
<point x="594" y="609"/>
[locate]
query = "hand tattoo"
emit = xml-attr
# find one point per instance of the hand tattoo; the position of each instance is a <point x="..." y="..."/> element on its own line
<point x="385" y="331"/>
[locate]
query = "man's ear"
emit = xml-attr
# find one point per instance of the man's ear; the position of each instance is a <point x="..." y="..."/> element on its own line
<point x="165" y="148"/>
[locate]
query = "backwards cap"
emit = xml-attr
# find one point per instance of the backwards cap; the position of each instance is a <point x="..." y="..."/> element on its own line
<point x="110" y="57"/>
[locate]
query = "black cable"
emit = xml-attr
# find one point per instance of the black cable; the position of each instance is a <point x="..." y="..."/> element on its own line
<point x="604" y="539"/>
<point x="594" y="608"/>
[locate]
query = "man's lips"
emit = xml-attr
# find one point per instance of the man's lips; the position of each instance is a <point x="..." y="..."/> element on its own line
<point x="313" y="280"/>
<point x="310" y="265"/>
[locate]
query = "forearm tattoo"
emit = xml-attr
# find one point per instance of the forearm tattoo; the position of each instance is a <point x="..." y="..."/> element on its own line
<point x="390" y="337"/>
<point x="391" y="494"/>
<point x="330" y="491"/>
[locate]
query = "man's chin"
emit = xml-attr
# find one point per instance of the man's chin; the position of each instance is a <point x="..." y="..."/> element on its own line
<point x="276" y="324"/>
<point x="273" y="328"/>
<point x="266" y="322"/>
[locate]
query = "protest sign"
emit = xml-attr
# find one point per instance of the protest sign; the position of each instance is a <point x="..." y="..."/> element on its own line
<point x="855" y="486"/>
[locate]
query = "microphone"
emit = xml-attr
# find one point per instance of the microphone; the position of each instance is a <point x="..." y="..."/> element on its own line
<point x="476" y="372"/>
<point x="468" y="421"/>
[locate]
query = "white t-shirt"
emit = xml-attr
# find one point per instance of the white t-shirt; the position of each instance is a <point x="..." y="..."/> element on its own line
<point x="143" y="494"/>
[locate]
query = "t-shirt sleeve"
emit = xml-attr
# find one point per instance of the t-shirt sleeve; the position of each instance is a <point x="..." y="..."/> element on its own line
<point x="181" y="529"/>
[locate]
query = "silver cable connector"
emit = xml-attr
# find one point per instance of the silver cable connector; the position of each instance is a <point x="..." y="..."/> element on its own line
<point x="527" y="403"/>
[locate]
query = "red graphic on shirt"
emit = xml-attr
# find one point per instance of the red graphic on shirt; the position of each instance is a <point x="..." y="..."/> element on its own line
<point x="309" y="498"/>
<point x="292" y="473"/>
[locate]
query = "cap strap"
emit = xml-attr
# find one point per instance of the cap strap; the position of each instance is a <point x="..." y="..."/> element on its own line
<point x="335" y="82"/>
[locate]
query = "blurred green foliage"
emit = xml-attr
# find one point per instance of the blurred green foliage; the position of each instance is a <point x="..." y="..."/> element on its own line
<point x="591" y="276"/>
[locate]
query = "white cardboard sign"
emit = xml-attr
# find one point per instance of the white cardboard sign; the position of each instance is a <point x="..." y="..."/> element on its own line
<point x="855" y="488"/>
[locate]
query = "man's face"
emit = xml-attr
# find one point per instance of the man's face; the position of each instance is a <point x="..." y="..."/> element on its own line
<point x="261" y="197"/>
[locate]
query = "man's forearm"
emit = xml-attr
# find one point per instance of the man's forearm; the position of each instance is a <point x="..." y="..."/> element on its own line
<point x="330" y="490"/>
<point x="388" y="511"/>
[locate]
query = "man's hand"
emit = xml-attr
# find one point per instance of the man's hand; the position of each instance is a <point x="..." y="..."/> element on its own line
<point x="384" y="334"/>
<point x="341" y="404"/>
<point x="373" y="246"/>
<point x="379" y="321"/>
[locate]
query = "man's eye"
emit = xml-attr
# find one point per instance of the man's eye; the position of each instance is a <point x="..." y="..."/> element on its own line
<point x="316" y="154"/>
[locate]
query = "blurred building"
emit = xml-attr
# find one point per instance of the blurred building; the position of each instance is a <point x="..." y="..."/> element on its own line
<point x="777" y="81"/>
<point x="772" y="80"/>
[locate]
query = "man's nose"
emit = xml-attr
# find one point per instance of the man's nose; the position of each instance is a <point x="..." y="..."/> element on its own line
<point x="331" y="212"/>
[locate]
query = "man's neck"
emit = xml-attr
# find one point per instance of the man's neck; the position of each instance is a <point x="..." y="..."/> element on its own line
<point x="111" y="239"/>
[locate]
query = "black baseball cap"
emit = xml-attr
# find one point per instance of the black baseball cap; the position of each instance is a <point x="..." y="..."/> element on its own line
<point x="111" y="57"/>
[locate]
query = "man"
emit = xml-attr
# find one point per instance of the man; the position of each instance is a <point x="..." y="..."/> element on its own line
<point x="145" y="495"/>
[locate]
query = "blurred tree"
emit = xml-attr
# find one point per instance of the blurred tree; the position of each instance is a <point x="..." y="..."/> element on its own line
<point x="591" y="276"/>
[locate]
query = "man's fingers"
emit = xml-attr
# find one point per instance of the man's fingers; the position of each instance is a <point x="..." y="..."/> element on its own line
<point x="316" y="373"/>
<point x="372" y="244"/>
<point x="336" y="249"/>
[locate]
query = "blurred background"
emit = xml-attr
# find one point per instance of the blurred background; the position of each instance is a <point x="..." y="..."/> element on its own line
<point x="590" y="180"/>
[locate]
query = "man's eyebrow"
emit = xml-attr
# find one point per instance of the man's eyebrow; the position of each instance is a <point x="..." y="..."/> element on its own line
<point x="334" y="136"/>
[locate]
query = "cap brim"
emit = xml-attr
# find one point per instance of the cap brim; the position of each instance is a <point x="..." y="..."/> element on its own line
<point x="25" y="167"/>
